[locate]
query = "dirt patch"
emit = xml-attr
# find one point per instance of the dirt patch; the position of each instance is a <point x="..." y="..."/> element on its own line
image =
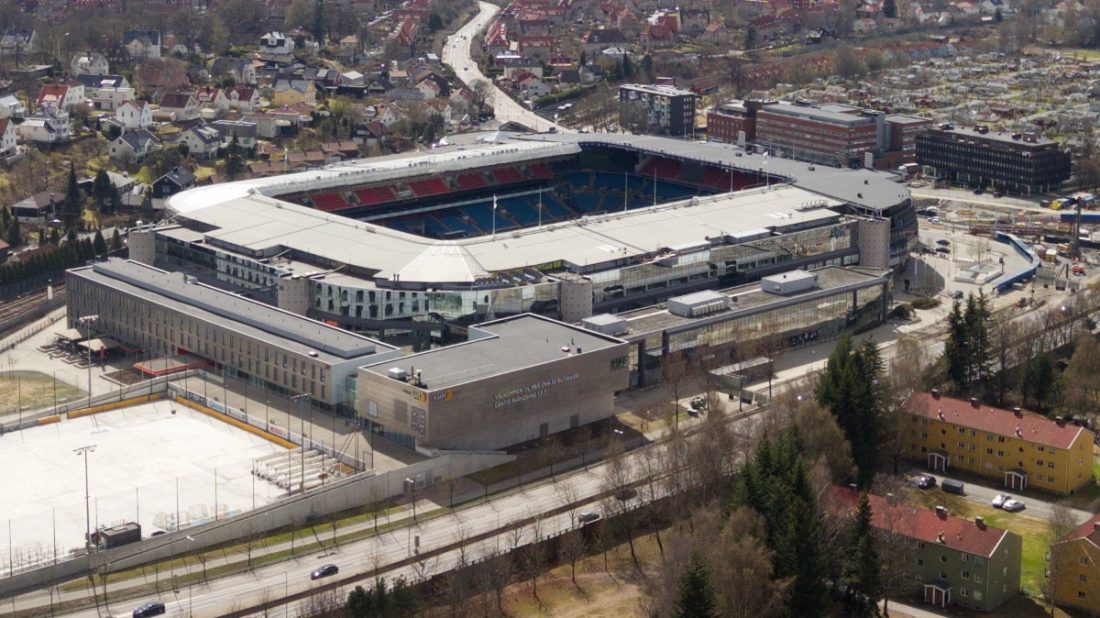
<point x="32" y="390"/>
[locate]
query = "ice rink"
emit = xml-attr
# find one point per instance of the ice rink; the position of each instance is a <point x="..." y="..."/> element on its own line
<point x="142" y="454"/>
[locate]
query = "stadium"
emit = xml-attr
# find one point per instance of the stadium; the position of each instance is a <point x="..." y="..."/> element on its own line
<point x="561" y="225"/>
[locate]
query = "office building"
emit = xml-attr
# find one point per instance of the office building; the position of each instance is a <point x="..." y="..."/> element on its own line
<point x="657" y="109"/>
<point x="1022" y="163"/>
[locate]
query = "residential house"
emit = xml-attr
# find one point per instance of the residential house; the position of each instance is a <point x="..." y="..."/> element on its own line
<point x="179" y="107"/>
<point x="7" y="137"/>
<point x="142" y="43"/>
<point x="17" y="41"/>
<point x="12" y="107"/>
<point x="132" y="147"/>
<point x="540" y="47"/>
<point x="135" y="115"/>
<point x="1021" y="449"/>
<point x="106" y="92"/>
<point x="44" y="130"/>
<point x="353" y="79"/>
<point x="599" y="39"/>
<point x="293" y="92"/>
<point x="202" y="142"/>
<point x="532" y="88"/>
<point x="1074" y="569"/>
<point x="63" y="97"/>
<point x="276" y="43"/>
<point x="240" y="69"/>
<point x="242" y="98"/>
<point x="37" y="209"/>
<point x="245" y="132"/>
<point x="178" y="179"/>
<point x="956" y="561"/>
<point x="404" y="36"/>
<point x="990" y="7"/>
<point x="90" y="63"/>
<point x="212" y="101"/>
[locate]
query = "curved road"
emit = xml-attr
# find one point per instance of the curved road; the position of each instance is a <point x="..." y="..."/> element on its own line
<point x="456" y="54"/>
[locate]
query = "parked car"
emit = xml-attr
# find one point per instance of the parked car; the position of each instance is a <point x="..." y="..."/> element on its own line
<point x="979" y="191"/>
<point x="924" y="481"/>
<point x="943" y="242"/>
<point x="998" y="193"/>
<point x="942" y="250"/>
<point x="999" y="500"/>
<point x="154" y="608"/>
<point x="587" y="517"/>
<point x="324" y="571"/>
<point x="952" y="486"/>
<point x="1012" y="505"/>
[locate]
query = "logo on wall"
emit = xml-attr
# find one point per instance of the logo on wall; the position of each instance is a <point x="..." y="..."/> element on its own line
<point x="446" y="395"/>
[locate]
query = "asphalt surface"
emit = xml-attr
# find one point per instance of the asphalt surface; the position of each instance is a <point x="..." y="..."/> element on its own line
<point x="456" y="53"/>
<point x="1042" y="509"/>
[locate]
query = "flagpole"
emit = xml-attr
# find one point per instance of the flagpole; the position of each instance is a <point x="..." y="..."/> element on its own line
<point x="494" y="215"/>
<point x="540" y="206"/>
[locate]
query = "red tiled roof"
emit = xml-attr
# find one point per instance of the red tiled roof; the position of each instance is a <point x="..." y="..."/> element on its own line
<point x="54" y="92"/>
<point x="1030" y="427"/>
<point x="1087" y="531"/>
<point x="919" y="523"/>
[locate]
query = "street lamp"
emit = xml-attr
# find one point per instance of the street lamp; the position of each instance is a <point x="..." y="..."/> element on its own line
<point x="190" y="605"/>
<point x="86" y="319"/>
<point x="84" y="450"/>
<point x="302" y="479"/>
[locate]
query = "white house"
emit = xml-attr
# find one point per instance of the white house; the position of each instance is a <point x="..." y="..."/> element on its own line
<point x="276" y="43"/>
<point x="245" y="132"/>
<point x="242" y="98"/>
<point x="132" y="147"/>
<point x="135" y="115"/>
<point x="17" y="41"/>
<point x="106" y="92"/>
<point x="180" y="106"/>
<point x="142" y="43"/>
<point x="240" y="69"/>
<point x="7" y="137"/>
<point x="202" y="142"/>
<point x="64" y="97"/>
<point x="90" y="63"/>
<point x="12" y="107"/>
<point x="44" y="130"/>
<point x="533" y="88"/>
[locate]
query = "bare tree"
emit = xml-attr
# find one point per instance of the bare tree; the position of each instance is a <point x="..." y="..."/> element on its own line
<point x="323" y="603"/>
<point x="498" y="574"/>
<point x="1061" y="523"/>
<point x="533" y="557"/>
<point x="571" y="549"/>
<point x="650" y="470"/>
<point x="675" y="369"/>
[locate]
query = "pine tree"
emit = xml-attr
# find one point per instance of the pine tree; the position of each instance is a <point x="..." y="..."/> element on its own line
<point x="956" y="350"/>
<point x="74" y="203"/>
<point x="584" y="59"/>
<point x="1040" y="382"/>
<point x="116" y="240"/>
<point x="14" y="234"/>
<point x="319" y="21"/>
<point x="850" y="390"/>
<point x="863" y="571"/>
<point x="99" y="244"/>
<point x="696" y="596"/>
<point x="890" y="9"/>
<point x="978" y="317"/>
<point x="101" y="188"/>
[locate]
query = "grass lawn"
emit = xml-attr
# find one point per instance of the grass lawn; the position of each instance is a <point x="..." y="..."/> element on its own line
<point x="32" y="390"/>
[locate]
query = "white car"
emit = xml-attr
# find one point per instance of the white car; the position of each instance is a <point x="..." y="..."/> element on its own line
<point x="1000" y="499"/>
<point x="1013" y="506"/>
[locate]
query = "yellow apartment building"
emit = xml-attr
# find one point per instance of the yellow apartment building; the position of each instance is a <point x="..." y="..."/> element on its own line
<point x="1075" y="568"/>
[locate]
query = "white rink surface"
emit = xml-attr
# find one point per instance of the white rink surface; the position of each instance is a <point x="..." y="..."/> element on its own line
<point x="140" y="453"/>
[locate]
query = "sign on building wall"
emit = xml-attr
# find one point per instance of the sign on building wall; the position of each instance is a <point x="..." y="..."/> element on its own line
<point x="526" y="392"/>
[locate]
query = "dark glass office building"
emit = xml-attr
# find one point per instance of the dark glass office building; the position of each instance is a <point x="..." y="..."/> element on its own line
<point x="1021" y="163"/>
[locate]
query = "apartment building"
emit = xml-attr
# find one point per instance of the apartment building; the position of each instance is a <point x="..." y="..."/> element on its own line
<point x="1075" y="568"/>
<point x="1020" y="449"/>
<point x="657" y="109"/>
<point x="1021" y="163"/>
<point x="954" y="561"/>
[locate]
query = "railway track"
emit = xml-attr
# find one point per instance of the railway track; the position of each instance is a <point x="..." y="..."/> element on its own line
<point x="12" y="310"/>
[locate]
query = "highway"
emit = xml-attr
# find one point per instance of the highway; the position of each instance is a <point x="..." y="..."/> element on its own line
<point x="456" y="54"/>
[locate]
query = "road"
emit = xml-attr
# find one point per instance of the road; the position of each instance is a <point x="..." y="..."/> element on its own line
<point x="456" y="54"/>
<point x="1041" y="509"/>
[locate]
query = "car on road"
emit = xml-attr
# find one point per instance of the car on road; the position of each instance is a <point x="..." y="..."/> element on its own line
<point x="943" y="242"/>
<point x="998" y="193"/>
<point x="979" y="191"/>
<point x="957" y="294"/>
<point x="1012" y="506"/>
<point x="324" y="571"/>
<point x="942" y="250"/>
<point x="924" y="481"/>
<point x="625" y="493"/>
<point x="587" y="517"/>
<point x="999" y="500"/>
<point x="154" y="608"/>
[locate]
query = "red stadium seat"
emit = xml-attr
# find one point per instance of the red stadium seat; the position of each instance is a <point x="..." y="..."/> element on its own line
<point x="329" y="202"/>
<point x="370" y="196"/>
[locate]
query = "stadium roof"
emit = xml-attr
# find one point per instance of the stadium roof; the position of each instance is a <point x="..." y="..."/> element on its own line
<point x="248" y="217"/>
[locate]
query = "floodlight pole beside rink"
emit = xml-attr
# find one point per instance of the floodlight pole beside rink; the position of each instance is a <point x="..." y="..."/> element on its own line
<point x="84" y="450"/>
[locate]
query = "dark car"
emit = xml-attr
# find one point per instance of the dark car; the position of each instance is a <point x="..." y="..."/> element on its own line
<point x="625" y="493"/>
<point x="998" y="193"/>
<point x="979" y="191"/>
<point x="924" y="481"/>
<point x="154" y="608"/>
<point x="325" y="571"/>
<point x="587" y="517"/>
<point x="943" y="250"/>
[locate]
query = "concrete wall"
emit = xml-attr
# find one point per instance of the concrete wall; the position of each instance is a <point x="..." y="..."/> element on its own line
<point x="142" y="245"/>
<point x="874" y="244"/>
<point x="293" y="294"/>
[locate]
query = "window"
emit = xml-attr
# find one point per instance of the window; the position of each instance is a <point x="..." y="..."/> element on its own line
<point x="964" y="557"/>
<point x="989" y="451"/>
<point x="1080" y="594"/>
<point x="963" y="592"/>
<point x="1050" y="464"/>
<point x="977" y="595"/>
<point x="1085" y="561"/>
<point x="977" y="578"/>
<point x="1039" y="462"/>
<point x="964" y="574"/>
<point x="1040" y="448"/>
<point x="920" y="562"/>
<point x="1082" y="578"/>
<point x="372" y="407"/>
<point x="943" y="558"/>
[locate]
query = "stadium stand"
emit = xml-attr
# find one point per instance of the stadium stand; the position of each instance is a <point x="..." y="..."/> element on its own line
<point x="370" y="196"/>
<point x="523" y="209"/>
<point x="428" y="186"/>
<point x="453" y="221"/>
<point x="507" y="175"/>
<point x="539" y="171"/>
<point x="716" y="178"/>
<point x="329" y="202"/>
<point x="668" y="169"/>
<point x="471" y="180"/>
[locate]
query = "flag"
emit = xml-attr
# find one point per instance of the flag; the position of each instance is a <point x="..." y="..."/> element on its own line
<point x="494" y="202"/>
